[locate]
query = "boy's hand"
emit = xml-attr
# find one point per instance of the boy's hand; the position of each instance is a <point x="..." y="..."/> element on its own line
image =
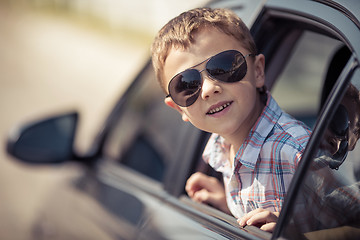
<point x="206" y="189"/>
<point x="262" y="218"/>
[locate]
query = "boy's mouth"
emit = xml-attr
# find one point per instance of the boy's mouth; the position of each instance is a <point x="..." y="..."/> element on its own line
<point x="219" y="108"/>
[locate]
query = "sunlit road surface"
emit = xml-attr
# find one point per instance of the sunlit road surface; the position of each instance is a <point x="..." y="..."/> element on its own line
<point x="48" y="65"/>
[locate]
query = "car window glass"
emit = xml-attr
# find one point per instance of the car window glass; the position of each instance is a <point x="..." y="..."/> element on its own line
<point x="145" y="136"/>
<point x="298" y="88"/>
<point x="328" y="202"/>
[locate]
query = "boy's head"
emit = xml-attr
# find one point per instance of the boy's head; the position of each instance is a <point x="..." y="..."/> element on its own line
<point x="179" y="33"/>
<point x="206" y="63"/>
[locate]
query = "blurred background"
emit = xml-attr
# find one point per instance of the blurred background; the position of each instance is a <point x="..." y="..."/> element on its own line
<point x="61" y="55"/>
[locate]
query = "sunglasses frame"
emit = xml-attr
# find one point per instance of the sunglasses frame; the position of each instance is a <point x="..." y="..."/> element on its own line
<point x="205" y="69"/>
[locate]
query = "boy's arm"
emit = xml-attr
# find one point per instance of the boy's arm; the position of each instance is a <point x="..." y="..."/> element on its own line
<point x="205" y="189"/>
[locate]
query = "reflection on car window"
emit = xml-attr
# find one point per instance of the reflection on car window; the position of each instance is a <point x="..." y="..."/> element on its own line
<point x="328" y="203"/>
<point x="144" y="138"/>
<point x="299" y="86"/>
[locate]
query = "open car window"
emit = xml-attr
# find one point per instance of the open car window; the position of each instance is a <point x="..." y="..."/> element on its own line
<point x="299" y="85"/>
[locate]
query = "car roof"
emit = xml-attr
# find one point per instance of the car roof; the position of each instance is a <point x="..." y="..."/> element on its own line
<point x="349" y="7"/>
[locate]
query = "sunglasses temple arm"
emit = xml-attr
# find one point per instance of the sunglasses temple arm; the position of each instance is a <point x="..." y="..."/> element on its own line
<point x="250" y="55"/>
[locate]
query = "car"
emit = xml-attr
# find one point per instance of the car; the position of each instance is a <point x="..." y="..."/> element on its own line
<point x="134" y="174"/>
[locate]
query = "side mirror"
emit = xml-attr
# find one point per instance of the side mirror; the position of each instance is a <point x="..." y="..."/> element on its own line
<point x="47" y="141"/>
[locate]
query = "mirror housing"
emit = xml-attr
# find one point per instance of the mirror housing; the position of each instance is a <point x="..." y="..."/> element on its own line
<point x="50" y="140"/>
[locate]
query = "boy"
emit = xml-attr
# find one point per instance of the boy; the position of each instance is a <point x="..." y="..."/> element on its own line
<point x="205" y="60"/>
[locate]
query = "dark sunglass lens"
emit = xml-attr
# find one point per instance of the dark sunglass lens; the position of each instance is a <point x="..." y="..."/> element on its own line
<point x="228" y="66"/>
<point x="184" y="87"/>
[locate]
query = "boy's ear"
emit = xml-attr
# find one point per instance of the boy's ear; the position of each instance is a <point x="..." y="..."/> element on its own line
<point x="168" y="101"/>
<point x="260" y="70"/>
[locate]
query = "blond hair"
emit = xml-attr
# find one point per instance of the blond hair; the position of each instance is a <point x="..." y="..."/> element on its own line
<point x="180" y="31"/>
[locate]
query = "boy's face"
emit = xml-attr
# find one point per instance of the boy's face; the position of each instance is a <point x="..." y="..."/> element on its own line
<point x="223" y="108"/>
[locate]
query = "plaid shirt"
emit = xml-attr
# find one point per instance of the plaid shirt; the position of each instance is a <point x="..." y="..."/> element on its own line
<point x="265" y="163"/>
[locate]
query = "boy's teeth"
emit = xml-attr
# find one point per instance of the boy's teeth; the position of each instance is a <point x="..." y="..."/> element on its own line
<point x="218" y="109"/>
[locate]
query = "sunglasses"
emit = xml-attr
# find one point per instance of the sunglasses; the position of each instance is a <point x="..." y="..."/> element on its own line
<point x="228" y="67"/>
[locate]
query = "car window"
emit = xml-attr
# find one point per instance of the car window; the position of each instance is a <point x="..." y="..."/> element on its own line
<point x="328" y="202"/>
<point x="298" y="88"/>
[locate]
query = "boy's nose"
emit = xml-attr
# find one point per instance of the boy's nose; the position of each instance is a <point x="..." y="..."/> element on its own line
<point x="209" y="87"/>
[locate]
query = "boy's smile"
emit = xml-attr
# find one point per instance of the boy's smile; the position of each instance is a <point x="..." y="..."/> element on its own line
<point x="229" y="109"/>
<point x="218" y="108"/>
